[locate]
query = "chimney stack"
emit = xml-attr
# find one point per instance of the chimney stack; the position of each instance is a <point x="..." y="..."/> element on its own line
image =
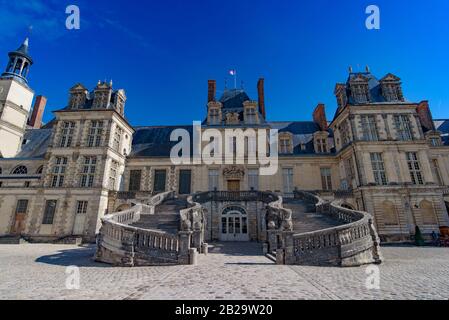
<point x="261" y="93"/>
<point x="319" y="117"/>
<point x="38" y="112"/>
<point x="212" y="89"/>
<point x="425" y="116"/>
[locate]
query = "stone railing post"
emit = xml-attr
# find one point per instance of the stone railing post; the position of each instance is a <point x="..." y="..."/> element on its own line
<point x="128" y="243"/>
<point x="184" y="247"/>
<point x="288" y="248"/>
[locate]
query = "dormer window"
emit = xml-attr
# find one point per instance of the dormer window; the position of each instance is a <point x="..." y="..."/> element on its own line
<point x="285" y="143"/>
<point x="340" y="94"/>
<point x="391" y="88"/>
<point x="214" y="116"/>
<point x="232" y="118"/>
<point x="250" y="115"/>
<point x="320" y="141"/>
<point x="360" y="93"/>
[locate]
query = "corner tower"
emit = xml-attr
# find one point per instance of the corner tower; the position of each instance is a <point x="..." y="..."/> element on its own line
<point x="15" y="101"/>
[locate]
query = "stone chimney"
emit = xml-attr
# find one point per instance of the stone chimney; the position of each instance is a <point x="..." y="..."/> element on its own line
<point x="425" y="116"/>
<point x="211" y="91"/>
<point x="319" y="117"/>
<point x="38" y="111"/>
<point x="261" y="94"/>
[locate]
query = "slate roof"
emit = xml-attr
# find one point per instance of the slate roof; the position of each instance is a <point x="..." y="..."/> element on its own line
<point x="155" y="141"/>
<point x="442" y="125"/>
<point x="36" y="143"/>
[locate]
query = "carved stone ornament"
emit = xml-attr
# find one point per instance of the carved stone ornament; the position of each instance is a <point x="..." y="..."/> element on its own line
<point x="233" y="173"/>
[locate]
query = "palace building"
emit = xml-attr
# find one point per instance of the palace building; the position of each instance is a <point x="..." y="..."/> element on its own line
<point x="379" y="153"/>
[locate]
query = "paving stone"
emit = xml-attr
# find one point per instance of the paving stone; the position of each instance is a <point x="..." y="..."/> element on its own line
<point x="231" y="271"/>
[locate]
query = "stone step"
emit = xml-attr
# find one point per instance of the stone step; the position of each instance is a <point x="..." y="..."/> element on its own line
<point x="12" y="240"/>
<point x="305" y="219"/>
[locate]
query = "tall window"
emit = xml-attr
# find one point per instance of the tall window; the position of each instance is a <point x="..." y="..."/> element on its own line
<point x="81" y="207"/>
<point x="213" y="180"/>
<point x="369" y="128"/>
<point x="113" y="175"/>
<point x="378" y="169"/>
<point x="326" y="179"/>
<point x="160" y="177"/>
<point x="95" y="133"/>
<point x="285" y="145"/>
<point x="436" y="171"/>
<point x="59" y="169"/>
<point x="49" y="213"/>
<point x="344" y="133"/>
<point x="88" y="172"/>
<point x="135" y="177"/>
<point x="349" y="169"/>
<point x="253" y="179"/>
<point x="287" y="174"/>
<point x="414" y="168"/>
<point x="250" y="115"/>
<point x="117" y="137"/>
<point x="402" y="124"/>
<point x="22" y="206"/>
<point x="68" y="129"/>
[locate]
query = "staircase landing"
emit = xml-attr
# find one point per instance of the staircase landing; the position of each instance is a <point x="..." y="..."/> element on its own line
<point x="305" y="219"/>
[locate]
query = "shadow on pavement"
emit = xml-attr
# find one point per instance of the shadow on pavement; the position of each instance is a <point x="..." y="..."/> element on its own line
<point x="80" y="257"/>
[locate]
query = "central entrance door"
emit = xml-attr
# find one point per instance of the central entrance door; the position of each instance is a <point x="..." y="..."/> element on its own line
<point x="234" y="224"/>
<point x="233" y="185"/>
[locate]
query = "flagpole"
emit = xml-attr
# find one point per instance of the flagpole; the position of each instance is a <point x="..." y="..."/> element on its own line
<point x="235" y="79"/>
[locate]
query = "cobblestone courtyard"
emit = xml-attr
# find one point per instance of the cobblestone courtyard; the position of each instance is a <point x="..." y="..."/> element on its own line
<point x="231" y="271"/>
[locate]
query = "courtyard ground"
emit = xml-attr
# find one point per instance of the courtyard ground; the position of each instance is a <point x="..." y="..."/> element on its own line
<point x="230" y="271"/>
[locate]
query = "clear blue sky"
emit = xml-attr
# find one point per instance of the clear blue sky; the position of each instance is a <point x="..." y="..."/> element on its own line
<point x="163" y="52"/>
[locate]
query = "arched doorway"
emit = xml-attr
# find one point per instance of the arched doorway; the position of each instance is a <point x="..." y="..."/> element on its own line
<point x="234" y="224"/>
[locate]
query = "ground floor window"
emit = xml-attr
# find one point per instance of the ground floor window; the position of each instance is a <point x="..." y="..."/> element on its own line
<point x="287" y="175"/>
<point x="326" y="179"/>
<point x="253" y="179"/>
<point x="213" y="180"/>
<point x="160" y="177"/>
<point x="49" y="213"/>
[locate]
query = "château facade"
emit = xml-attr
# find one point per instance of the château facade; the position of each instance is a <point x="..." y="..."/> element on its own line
<point x="379" y="153"/>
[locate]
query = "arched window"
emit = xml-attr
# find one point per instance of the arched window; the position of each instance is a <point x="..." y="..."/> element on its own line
<point x="428" y="213"/>
<point x="390" y="214"/>
<point x="39" y="170"/>
<point x="20" y="170"/>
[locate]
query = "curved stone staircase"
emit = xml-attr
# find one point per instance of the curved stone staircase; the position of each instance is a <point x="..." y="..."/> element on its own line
<point x="306" y="219"/>
<point x="166" y="216"/>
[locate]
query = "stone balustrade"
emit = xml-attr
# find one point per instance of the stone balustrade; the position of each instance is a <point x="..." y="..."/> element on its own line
<point x="354" y="243"/>
<point x="121" y="244"/>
